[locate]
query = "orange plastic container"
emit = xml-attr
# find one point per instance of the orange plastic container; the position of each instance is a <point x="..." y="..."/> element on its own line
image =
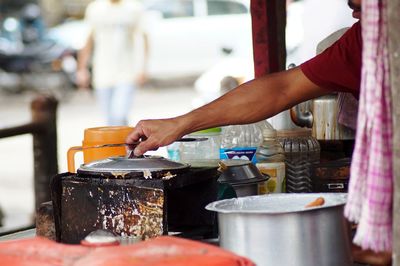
<point x="99" y="136"/>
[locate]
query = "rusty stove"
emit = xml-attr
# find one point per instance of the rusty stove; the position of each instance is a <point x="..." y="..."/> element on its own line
<point x="141" y="197"/>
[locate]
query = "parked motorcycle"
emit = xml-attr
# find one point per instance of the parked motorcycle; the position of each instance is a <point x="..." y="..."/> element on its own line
<point x="31" y="61"/>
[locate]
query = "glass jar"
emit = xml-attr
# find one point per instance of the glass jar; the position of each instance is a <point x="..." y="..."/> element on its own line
<point x="302" y="151"/>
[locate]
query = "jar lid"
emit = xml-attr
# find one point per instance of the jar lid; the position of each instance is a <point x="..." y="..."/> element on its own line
<point x="297" y="132"/>
<point x="269" y="133"/>
<point x="124" y="164"/>
<point x="109" y="134"/>
<point x="209" y="130"/>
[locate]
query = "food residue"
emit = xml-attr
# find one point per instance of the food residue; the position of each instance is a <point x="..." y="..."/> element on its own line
<point x="147" y="174"/>
<point x="168" y="176"/>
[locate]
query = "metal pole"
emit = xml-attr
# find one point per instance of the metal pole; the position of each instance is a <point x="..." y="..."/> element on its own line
<point x="43" y="110"/>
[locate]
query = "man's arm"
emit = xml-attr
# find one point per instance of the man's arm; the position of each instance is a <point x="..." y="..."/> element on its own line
<point x="83" y="74"/>
<point x="250" y="102"/>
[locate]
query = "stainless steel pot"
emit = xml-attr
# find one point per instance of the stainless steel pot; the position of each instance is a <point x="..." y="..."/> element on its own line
<point x="321" y="114"/>
<point x="277" y="229"/>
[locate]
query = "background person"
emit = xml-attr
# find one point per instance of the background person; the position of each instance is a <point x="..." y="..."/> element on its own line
<point x="118" y="66"/>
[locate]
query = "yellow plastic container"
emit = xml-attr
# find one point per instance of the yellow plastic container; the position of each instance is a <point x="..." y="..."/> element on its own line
<point x="99" y="136"/>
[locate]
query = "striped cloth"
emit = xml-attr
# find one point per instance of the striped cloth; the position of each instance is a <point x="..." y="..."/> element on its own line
<point x="371" y="183"/>
<point x="348" y="109"/>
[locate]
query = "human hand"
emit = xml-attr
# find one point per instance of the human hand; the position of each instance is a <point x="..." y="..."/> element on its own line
<point x="154" y="134"/>
<point x="83" y="78"/>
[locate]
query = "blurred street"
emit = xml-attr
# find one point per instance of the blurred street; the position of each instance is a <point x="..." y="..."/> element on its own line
<point x="74" y="115"/>
<point x="39" y="45"/>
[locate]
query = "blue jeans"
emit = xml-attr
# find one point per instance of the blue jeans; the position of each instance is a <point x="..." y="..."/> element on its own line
<point x="115" y="103"/>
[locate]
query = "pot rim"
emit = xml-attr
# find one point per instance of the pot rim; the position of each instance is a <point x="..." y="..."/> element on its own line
<point x="225" y="206"/>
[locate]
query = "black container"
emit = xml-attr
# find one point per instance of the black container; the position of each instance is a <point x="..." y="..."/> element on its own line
<point x="242" y="175"/>
<point x="132" y="203"/>
<point x="331" y="176"/>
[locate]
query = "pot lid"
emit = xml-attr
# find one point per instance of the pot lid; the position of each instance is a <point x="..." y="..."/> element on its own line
<point x="124" y="164"/>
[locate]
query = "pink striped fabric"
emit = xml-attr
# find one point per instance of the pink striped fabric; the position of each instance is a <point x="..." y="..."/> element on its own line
<point x="348" y="110"/>
<point x="371" y="183"/>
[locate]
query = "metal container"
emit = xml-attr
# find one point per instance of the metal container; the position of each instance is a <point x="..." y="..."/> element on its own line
<point x="277" y="229"/>
<point x="243" y="190"/>
<point x="242" y="175"/>
<point x="321" y="114"/>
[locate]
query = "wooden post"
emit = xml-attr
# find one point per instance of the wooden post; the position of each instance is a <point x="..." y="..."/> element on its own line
<point x="269" y="25"/>
<point x="43" y="111"/>
<point x="394" y="61"/>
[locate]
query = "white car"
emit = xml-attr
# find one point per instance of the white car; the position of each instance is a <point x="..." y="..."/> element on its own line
<point x="186" y="37"/>
<point x="190" y="36"/>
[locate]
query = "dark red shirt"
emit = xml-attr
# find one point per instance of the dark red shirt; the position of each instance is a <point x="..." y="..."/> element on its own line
<point x="338" y="68"/>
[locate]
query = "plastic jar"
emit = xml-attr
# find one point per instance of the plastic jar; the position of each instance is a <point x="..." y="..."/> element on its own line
<point x="271" y="161"/>
<point x="241" y="141"/>
<point x="202" y="153"/>
<point x="302" y="150"/>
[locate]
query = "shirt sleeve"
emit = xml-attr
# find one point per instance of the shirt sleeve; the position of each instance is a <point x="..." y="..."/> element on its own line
<point x="338" y="68"/>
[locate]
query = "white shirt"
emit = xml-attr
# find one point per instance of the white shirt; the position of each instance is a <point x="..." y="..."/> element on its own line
<point x="114" y="26"/>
